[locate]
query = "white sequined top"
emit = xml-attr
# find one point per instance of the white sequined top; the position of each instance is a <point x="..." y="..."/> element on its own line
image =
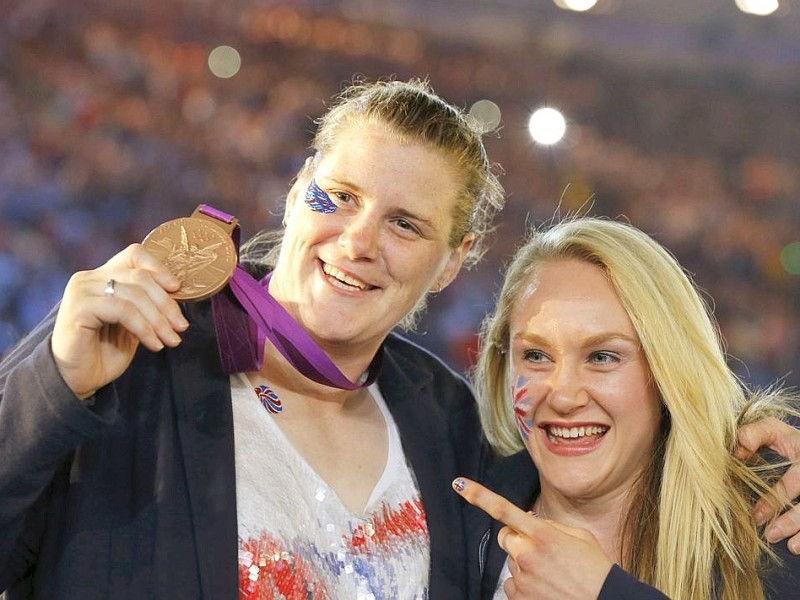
<point x="297" y="540"/>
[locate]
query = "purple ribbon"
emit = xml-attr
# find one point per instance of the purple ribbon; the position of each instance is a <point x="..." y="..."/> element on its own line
<point x="246" y="315"/>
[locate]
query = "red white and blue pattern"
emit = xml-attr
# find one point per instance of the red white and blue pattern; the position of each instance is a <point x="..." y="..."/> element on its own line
<point x="319" y="201"/>
<point x="298" y="540"/>
<point x="299" y="569"/>
<point x="523" y="407"/>
<point x="269" y="399"/>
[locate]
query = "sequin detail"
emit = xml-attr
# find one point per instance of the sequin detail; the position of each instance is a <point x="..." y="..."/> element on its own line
<point x="296" y="535"/>
<point x="269" y="399"/>
<point x="318" y="200"/>
<point x="299" y="569"/>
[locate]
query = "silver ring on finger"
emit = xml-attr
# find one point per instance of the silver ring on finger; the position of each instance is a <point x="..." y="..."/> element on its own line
<point x="111" y="287"/>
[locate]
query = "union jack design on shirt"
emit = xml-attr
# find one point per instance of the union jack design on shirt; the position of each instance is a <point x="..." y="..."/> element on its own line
<point x="299" y="569"/>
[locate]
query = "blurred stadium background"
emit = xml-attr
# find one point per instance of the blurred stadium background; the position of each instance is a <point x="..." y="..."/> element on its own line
<point x="681" y="116"/>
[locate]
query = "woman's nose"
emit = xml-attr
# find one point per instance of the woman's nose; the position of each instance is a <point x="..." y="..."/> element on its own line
<point x="359" y="237"/>
<point x="566" y="388"/>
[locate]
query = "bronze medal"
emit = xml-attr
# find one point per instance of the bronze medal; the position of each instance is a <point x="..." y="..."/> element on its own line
<point x="198" y="250"/>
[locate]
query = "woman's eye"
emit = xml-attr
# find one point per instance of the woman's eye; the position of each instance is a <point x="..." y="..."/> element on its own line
<point x="343" y="197"/>
<point x="534" y="356"/>
<point x="604" y="358"/>
<point x="406" y="226"/>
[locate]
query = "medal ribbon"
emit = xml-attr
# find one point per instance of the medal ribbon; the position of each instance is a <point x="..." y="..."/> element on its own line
<point x="246" y="314"/>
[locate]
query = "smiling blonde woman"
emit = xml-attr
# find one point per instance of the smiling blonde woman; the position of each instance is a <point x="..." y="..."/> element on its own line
<point x="602" y="360"/>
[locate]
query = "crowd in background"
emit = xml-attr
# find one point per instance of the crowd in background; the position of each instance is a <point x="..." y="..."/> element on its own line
<point x="111" y="123"/>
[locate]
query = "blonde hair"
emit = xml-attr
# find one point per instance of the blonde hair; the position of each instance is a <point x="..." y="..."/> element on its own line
<point x="689" y="519"/>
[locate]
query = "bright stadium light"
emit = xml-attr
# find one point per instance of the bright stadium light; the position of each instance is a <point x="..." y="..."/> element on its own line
<point x="758" y="7"/>
<point x="547" y="126"/>
<point x="576" y="5"/>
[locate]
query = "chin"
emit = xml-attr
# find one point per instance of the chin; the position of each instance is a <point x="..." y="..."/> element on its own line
<point x="334" y="333"/>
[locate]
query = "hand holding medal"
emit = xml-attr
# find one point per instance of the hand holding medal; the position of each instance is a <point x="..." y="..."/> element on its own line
<point x="107" y="312"/>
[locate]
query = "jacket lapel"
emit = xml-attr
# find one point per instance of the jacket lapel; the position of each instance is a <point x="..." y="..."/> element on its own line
<point x="429" y="448"/>
<point x="513" y="477"/>
<point x="202" y="399"/>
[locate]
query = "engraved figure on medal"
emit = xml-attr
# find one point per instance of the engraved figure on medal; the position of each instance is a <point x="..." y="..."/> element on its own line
<point x="198" y="252"/>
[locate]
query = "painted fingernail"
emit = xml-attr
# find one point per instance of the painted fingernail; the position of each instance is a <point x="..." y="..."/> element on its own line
<point x="459" y="485"/>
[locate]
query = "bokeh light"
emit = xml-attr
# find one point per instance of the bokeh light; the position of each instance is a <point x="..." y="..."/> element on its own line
<point x="758" y="7"/>
<point x="487" y="113"/>
<point x="790" y="258"/>
<point x="576" y="5"/>
<point x="224" y="61"/>
<point x="198" y="106"/>
<point x="547" y="126"/>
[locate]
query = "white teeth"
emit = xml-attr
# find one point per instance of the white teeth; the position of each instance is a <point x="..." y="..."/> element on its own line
<point x="576" y="432"/>
<point x="344" y="278"/>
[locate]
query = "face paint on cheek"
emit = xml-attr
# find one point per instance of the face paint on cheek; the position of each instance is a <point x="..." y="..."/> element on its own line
<point x="523" y="407"/>
<point x="319" y="201"/>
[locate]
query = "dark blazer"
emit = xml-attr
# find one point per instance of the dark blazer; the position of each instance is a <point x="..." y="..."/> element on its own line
<point x="134" y="496"/>
<point x="515" y="478"/>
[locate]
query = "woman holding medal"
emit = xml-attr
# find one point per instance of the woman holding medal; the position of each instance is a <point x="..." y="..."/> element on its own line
<point x="193" y="467"/>
<point x="277" y="440"/>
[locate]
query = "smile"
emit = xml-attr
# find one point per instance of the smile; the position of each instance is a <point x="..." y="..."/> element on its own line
<point x="556" y="434"/>
<point x="343" y="280"/>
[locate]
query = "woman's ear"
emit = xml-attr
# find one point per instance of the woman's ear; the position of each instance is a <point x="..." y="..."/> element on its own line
<point x="454" y="263"/>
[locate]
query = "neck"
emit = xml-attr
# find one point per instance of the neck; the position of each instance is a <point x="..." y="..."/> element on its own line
<point x="279" y="372"/>
<point x="342" y="364"/>
<point x="603" y="517"/>
<point x="353" y="360"/>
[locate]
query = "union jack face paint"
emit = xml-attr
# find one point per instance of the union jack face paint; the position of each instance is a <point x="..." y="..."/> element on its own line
<point x="318" y="200"/>
<point x="523" y="407"/>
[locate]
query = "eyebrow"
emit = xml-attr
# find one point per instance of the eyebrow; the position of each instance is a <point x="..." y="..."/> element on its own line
<point x="600" y="338"/>
<point x="592" y="340"/>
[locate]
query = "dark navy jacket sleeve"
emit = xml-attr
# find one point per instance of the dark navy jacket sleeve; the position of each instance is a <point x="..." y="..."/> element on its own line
<point x="130" y="496"/>
<point x="41" y="424"/>
<point x="437" y="417"/>
<point x="620" y="585"/>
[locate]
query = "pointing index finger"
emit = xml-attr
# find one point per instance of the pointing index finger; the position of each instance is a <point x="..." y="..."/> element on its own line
<point x="495" y="505"/>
